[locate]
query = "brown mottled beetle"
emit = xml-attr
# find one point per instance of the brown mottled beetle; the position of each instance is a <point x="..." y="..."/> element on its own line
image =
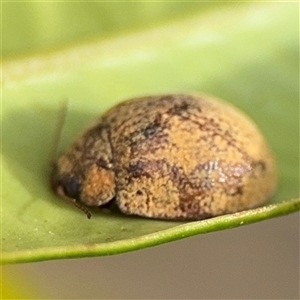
<point x="169" y="157"/>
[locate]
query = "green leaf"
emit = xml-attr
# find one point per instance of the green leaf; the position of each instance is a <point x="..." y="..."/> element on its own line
<point x="244" y="53"/>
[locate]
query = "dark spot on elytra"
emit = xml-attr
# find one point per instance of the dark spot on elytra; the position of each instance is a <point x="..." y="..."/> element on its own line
<point x="143" y="134"/>
<point x="133" y="138"/>
<point x="144" y="146"/>
<point x="136" y="170"/>
<point x="103" y="164"/>
<point x="179" y="109"/>
<point x="147" y="168"/>
<point x="151" y="129"/>
<point x="175" y="174"/>
<point x="235" y="192"/>
<point x="192" y="209"/>
<point x="186" y="203"/>
<point x="259" y="165"/>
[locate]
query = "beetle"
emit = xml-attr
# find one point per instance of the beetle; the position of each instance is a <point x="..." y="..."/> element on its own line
<point x="173" y="156"/>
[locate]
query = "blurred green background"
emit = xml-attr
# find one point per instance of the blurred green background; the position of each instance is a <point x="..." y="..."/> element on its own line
<point x="98" y="53"/>
<point x="33" y="27"/>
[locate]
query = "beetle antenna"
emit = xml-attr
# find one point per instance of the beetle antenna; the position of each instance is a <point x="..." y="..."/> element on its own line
<point x="60" y="192"/>
<point x="81" y="207"/>
<point x="58" y="128"/>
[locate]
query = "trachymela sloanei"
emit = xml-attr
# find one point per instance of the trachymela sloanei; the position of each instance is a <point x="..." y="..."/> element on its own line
<point x="170" y="157"/>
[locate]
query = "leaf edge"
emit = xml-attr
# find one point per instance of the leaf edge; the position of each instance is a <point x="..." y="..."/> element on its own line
<point x="168" y="235"/>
